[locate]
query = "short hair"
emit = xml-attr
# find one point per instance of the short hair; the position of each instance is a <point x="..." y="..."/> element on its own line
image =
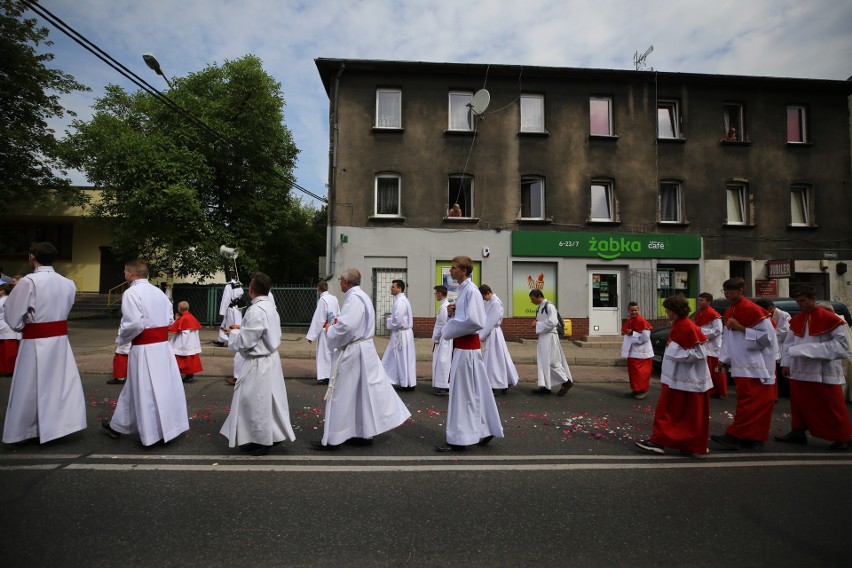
<point x="765" y="304"/>
<point x="44" y="253"/>
<point x="536" y="293"/>
<point x="7" y="288"/>
<point x="322" y="285"/>
<point x="805" y="290"/>
<point x="183" y="306"/>
<point x="442" y="290"/>
<point x="465" y="263"/>
<point x="485" y="289"/>
<point x="706" y="295"/>
<point x="138" y="267"/>
<point x="735" y="283"/>
<point x="351" y="275"/>
<point x="678" y="305"/>
<point x="261" y="284"/>
<point x="399" y="284"/>
<point x="631" y="304"/>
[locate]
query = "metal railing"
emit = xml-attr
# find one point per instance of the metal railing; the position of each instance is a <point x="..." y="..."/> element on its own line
<point x="114" y="294"/>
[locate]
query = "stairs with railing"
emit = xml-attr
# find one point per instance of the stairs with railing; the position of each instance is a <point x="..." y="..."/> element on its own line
<point x="91" y="306"/>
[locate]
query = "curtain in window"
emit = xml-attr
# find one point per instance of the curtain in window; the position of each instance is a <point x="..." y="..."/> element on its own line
<point x="532" y="114"/>
<point x="799" y="207"/>
<point x="736" y="205"/>
<point x="795" y="131"/>
<point x="387" y="196"/>
<point x="459" y="112"/>
<point x="599" y="117"/>
<point x="389" y="115"/>
<point x="669" y="206"/>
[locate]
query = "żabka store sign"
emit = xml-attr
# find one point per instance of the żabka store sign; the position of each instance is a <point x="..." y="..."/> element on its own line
<point x="604" y="245"/>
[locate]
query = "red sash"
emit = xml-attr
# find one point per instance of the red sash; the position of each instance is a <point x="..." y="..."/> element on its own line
<point x="152" y="335"/>
<point x="45" y="329"/>
<point x="467" y="342"/>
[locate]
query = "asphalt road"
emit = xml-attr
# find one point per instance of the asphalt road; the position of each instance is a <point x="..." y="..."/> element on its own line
<point x="564" y="488"/>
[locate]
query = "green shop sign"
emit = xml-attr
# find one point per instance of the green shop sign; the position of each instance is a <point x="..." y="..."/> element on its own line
<point x="605" y="245"/>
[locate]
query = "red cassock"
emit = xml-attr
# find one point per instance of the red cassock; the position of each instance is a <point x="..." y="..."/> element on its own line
<point x="187" y="364"/>
<point x="8" y="356"/>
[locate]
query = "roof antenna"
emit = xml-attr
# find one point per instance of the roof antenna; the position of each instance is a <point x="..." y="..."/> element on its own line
<point x="639" y="60"/>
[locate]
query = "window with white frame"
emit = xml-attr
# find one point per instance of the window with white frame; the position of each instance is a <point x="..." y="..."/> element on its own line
<point x="600" y="116"/>
<point x="736" y="195"/>
<point x="460" y="191"/>
<point x="460" y="118"/>
<point x="797" y="130"/>
<point x="734" y="116"/>
<point x="532" y="197"/>
<point x="668" y="119"/>
<point x="670" y="202"/>
<point x="387" y="194"/>
<point x="388" y="108"/>
<point x="532" y="113"/>
<point x="603" y="201"/>
<point x="800" y="215"/>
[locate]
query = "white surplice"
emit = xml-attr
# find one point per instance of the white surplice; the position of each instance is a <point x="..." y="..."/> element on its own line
<point x="751" y="353"/>
<point x="686" y="369"/>
<point x="400" y="358"/>
<point x="152" y="401"/>
<point x="46" y="398"/>
<point x="442" y="350"/>
<point x="260" y="413"/>
<point x="360" y="402"/>
<point x="499" y="366"/>
<point x="472" y="412"/>
<point x="6" y="332"/>
<point x="327" y="309"/>
<point x="817" y="359"/>
<point x="713" y="331"/>
<point x="550" y="358"/>
<point x="230" y="314"/>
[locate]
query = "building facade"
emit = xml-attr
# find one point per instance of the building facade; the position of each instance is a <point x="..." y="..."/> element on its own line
<point x="597" y="186"/>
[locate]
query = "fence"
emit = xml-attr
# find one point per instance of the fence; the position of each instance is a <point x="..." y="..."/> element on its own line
<point x="295" y="304"/>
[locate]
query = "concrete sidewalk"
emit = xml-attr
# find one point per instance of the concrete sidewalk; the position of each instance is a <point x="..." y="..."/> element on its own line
<point x="93" y="343"/>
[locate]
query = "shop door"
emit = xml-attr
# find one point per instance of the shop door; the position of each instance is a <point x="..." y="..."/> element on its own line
<point x="604" y="292"/>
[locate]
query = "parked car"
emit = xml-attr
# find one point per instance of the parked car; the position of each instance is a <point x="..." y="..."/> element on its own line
<point x="659" y="335"/>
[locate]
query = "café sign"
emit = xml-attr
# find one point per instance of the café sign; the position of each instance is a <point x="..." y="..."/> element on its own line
<point x="607" y="246"/>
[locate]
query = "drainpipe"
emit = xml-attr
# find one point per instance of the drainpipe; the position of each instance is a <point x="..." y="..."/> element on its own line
<point x="332" y="179"/>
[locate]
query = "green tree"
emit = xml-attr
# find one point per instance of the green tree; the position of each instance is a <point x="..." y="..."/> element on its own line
<point x="173" y="191"/>
<point x="29" y="97"/>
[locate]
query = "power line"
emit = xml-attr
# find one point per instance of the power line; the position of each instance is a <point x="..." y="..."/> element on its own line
<point x="89" y="46"/>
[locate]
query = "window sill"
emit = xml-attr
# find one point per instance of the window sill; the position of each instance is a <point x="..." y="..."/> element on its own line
<point x="386" y="218"/>
<point x="532" y="134"/>
<point x="610" y="138"/>
<point x="673" y="223"/>
<point x="471" y="220"/>
<point x="534" y="221"/>
<point x="671" y="140"/>
<point x="378" y="129"/>
<point x="798" y="144"/>
<point x="735" y="142"/>
<point x="738" y="225"/>
<point x="459" y="132"/>
<point x="802" y="227"/>
<point x="603" y="222"/>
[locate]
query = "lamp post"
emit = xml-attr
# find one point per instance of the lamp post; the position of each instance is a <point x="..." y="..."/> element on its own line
<point x="154" y="65"/>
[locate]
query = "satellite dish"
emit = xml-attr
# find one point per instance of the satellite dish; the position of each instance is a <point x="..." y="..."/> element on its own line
<point x="480" y="101"/>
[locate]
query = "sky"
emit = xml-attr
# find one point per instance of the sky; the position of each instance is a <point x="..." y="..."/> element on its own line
<point x="775" y="38"/>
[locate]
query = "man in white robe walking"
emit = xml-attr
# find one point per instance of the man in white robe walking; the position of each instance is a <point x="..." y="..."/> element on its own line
<point x="550" y="358"/>
<point x="499" y="365"/>
<point x="442" y="349"/>
<point x="260" y="413"/>
<point x="152" y="402"/>
<point x="46" y="400"/>
<point x="472" y="416"/>
<point x="324" y="316"/>
<point x="232" y="292"/>
<point x="360" y="401"/>
<point x="400" y="358"/>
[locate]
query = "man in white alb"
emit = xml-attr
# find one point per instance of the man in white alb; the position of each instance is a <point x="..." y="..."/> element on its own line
<point x="324" y="316"/>
<point x="442" y="349"/>
<point x="400" y="358"/>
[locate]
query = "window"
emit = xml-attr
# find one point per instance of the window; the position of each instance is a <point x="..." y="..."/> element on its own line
<point x="460" y="191"/>
<point x="388" y="108"/>
<point x="460" y="111"/>
<point x="736" y="204"/>
<point x="670" y="202"/>
<point x="796" y="124"/>
<point x="600" y="116"/>
<point x="668" y="119"/>
<point x="532" y="113"/>
<point x="532" y="198"/>
<point x="387" y="194"/>
<point x="800" y="206"/>
<point x="602" y="201"/>
<point x="734" y="122"/>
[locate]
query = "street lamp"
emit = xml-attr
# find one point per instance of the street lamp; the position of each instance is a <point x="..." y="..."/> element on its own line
<point x="153" y="64"/>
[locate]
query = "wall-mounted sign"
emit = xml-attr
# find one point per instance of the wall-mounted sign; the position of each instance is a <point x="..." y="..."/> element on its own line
<point x="781" y="268"/>
<point x="766" y="288"/>
<point x="608" y="246"/>
<point x="528" y="276"/>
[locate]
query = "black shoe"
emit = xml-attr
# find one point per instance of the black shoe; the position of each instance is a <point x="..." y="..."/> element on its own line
<point x="253" y="449"/>
<point x="793" y="437"/>
<point x="320" y="447"/>
<point x="450" y="448"/>
<point x="505" y="391"/>
<point x="407" y="389"/>
<point x="109" y="431"/>
<point x="565" y="388"/>
<point x="139" y="445"/>
<point x="359" y="442"/>
<point x="189" y="379"/>
<point x="840" y="446"/>
<point x="218" y="344"/>
<point x="751" y="444"/>
<point x="116" y="381"/>
<point x="322" y="381"/>
<point x="727" y="441"/>
<point x="484" y="441"/>
<point x="441" y="392"/>
<point x="541" y="390"/>
<point x="640" y="395"/>
<point x="650" y="446"/>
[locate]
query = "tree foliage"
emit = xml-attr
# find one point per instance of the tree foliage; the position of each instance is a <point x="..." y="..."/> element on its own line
<point x="29" y="97"/>
<point x="173" y="192"/>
